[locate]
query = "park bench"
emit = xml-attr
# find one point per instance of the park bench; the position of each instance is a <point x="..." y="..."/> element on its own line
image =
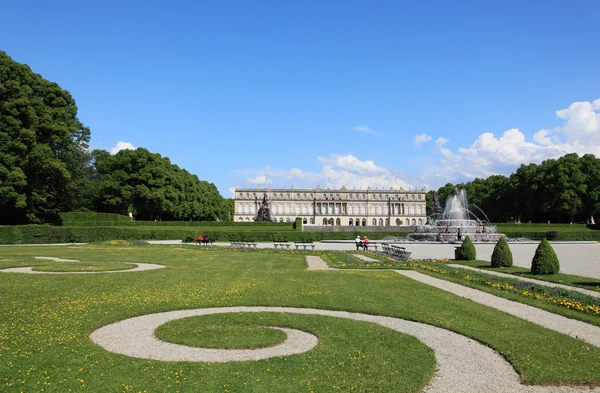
<point x="207" y="242"/>
<point x="246" y="245"/>
<point x="304" y="244"/>
<point x="397" y="251"/>
<point x="400" y="252"/>
<point x="281" y="244"/>
<point x="188" y="240"/>
<point x="370" y="246"/>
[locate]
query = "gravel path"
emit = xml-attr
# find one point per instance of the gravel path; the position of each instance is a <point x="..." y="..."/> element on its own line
<point x="531" y="280"/>
<point x="464" y="365"/>
<point x="571" y="327"/>
<point x="57" y="259"/>
<point x="139" y="267"/>
<point x="317" y="263"/>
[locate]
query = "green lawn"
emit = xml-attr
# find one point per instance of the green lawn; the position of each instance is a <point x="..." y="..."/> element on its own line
<point x="46" y="320"/>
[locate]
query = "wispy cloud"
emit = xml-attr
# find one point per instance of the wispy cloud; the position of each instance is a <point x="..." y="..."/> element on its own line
<point x="420" y="139"/>
<point x="366" y="129"/>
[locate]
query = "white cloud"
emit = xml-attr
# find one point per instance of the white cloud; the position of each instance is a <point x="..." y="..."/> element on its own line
<point x="488" y="154"/>
<point x="352" y="164"/>
<point x="121" y="146"/>
<point x="441" y="141"/>
<point x="366" y="129"/>
<point x="337" y="170"/>
<point x="258" y="180"/>
<point x="420" y="139"/>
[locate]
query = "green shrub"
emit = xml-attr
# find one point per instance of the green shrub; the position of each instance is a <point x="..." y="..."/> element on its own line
<point x="545" y="260"/>
<point x="39" y="234"/>
<point x="298" y="224"/>
<point x="467" y="251"/>
<point x="502" y="256"/>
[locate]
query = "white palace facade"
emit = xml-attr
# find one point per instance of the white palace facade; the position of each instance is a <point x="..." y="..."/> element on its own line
<point x="334" y="207"/>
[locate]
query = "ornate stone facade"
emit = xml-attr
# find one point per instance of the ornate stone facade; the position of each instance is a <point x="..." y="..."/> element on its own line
<point x="334" y="207"/>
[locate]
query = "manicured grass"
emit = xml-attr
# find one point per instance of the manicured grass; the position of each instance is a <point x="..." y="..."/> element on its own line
<point x="52" y="266"/>
<point x="560" y="278"/>
<point x="570" y="304"/>
<point x="359" y="355"/>
<point x="46" y="320"/>
<point x="84" y="267"/>
<point x="230" y="331"/>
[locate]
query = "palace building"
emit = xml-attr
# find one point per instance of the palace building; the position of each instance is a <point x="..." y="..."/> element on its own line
<point x="334" y="207"/>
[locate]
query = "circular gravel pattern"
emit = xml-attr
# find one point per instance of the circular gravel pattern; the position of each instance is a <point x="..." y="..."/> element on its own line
<point x="464" y="365"/>
<point x="139" y="267"/>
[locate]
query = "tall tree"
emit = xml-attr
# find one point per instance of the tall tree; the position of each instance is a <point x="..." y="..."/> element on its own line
<point x="41" y="141"/>
<point x="151" y="187"/>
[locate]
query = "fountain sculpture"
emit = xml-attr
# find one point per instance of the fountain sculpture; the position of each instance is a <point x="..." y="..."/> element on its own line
<point x="453" y="223"/>
<point x="264" y="212"/>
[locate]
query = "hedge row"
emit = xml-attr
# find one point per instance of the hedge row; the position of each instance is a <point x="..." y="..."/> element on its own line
<point x="42" y="234"/>
<point x="103" y="219"/>
<point x="583" y="235"/>
<point x="39" y="234"/>
<point x="75" y="218"/>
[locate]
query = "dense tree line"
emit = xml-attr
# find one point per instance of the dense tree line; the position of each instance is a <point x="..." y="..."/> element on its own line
<point x="46" y="167"/>
<point x="564" y="190"/>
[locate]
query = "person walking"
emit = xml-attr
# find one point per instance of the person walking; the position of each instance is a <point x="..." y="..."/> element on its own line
<point x="358" y="242"/>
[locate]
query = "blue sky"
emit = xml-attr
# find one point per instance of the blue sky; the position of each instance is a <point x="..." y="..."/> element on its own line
<point x="355" y="93"/>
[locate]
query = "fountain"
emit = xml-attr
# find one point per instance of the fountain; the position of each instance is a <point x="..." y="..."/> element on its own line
<point x="264" y="212"/>
<point x="453" y="223"/>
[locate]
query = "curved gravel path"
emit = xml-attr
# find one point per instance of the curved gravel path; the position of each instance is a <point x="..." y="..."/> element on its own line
<point x="571" y="327"/>
<point x="464" y="365"/>
<point x="58" y="259"/>
<point x="139" y="267"/>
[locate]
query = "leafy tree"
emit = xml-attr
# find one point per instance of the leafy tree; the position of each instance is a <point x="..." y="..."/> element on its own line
<point x="502" y="256"/>
<point x="545" y="260"/>
<point x="152" y="187"/>
<point x="590" y="198"/>
<point x="41" y="143"/>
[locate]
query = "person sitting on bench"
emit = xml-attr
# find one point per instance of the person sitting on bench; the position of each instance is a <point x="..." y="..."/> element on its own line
<point x="359" y="244"/>
<point x="365" y="244"/>
<point x="199" y="239"/>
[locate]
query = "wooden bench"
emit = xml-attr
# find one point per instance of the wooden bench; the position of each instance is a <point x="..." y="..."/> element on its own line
<point x="304" y="244"/>
<point x="397" y="251"/>
<point x="370" y="245"/>
<point x="281" y="245"/>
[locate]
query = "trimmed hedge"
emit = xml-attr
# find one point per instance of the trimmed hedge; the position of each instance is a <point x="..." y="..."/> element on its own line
<point x="467" y="252"/>
<point x="579" y="235"/>
<point x="107" y="219"/>
<point x="41" y="234"/>
<point x="502" y="256"/>
<point x="545" y="260"/>
<point x="78" y="218"/>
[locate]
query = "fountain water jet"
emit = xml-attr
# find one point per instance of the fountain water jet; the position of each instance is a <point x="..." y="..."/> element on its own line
<point x="454" y="223"/>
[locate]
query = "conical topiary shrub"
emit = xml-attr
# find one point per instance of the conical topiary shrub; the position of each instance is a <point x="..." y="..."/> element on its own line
<point x="502" y="256"/>
<point x="467" y="250"/>
<point x="545" y="260"/>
